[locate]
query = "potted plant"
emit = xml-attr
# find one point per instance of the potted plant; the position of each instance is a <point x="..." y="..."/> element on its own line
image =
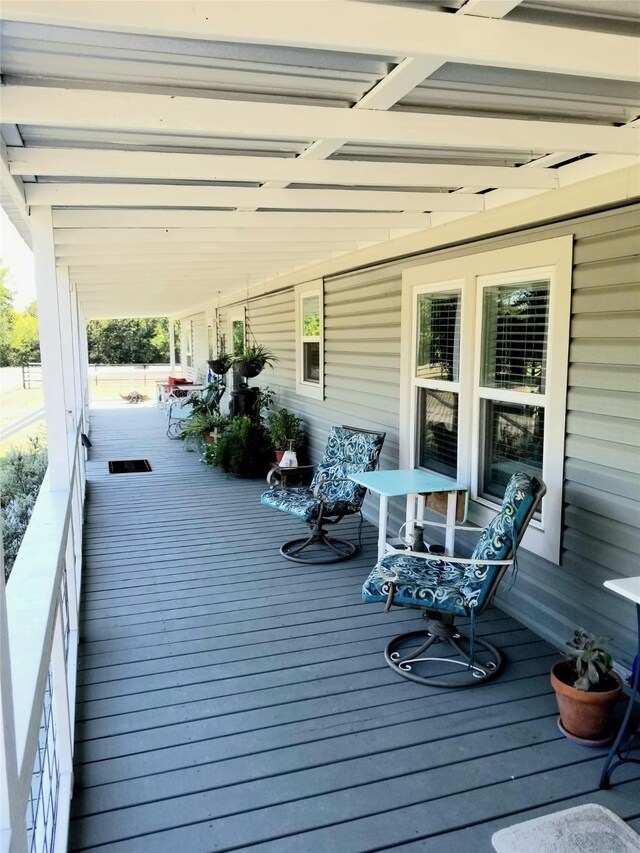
<point x="254" y="360"/>
<point x="586" y="688"/>
<point x="285" y="432"/>
<point x="242" y="449"/>
<point x="221" y="364"/>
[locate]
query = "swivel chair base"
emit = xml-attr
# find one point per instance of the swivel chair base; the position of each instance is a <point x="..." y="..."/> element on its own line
<point x="408" y="662"/>
<point x="335" y="550"/>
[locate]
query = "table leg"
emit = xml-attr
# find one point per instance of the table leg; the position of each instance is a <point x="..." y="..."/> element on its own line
<point x="450" y="532"/>
<point x="614" y="752"/>
<point x="382" y="526"/>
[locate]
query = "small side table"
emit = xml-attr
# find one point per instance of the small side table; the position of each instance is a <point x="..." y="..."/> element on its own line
<point x="411" y="483"/>
<point x="628" y="588"/>
<point x="299" y="475"/>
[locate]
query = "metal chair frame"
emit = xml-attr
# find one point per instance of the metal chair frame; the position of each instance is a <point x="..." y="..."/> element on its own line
<point x="441" y="628"/>
<point x="337" y="549"/>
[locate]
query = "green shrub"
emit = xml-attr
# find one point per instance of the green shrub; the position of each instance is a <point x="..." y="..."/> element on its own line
<point x="21" y="474"/>
<point x="243" y="448"/>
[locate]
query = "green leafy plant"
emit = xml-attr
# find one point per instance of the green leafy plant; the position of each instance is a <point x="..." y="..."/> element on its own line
<point x="221" y="364"/>
<point x="243" y="449"/>
<point x="21" y="474"/>
<point x="285" y="430"/>
<point x="200" y="424"/>
<point x="254" y="359"/>
<point x="208" y="402"/>
<point x="589" y="660"/>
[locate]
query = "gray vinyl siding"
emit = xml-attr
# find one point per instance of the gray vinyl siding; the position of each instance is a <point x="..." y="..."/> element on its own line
<point x="601" y="522"/>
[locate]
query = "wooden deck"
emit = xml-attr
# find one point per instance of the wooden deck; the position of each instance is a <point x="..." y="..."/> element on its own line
<point x="231" y="700"/>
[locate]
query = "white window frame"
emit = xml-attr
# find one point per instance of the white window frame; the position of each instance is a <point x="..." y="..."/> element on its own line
<point x="304" y="387"/>
<point x="551" y="259"/>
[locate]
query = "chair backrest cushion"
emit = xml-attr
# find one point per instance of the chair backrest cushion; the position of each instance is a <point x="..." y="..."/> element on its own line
<point x="497" y="539"/>
<point x="501" y="535"/>
<point x="347" y="452"/>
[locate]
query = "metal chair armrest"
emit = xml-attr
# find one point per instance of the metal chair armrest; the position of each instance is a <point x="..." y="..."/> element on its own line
<point x="462" y="561"/>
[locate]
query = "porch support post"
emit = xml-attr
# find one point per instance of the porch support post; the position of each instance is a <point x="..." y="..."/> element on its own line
<point x="51" y="347"/>
<point x="172" y="346"/>
<point x="84" y="366"/>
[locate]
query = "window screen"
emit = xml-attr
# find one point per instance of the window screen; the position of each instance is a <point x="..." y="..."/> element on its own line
<point x="513" y="442"/>
<point x="514" y="336"/>
<point x="438" y="431"/>
<point x="438" y="345"/>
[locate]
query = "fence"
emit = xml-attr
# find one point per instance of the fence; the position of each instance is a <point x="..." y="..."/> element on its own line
<point x="32" y="374"/>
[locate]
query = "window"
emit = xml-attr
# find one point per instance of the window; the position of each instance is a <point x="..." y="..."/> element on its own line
<point x="485" y="368"/>
<point x="310" y="340"/>
<point x="237" y="331"/>
<point x="210" y="341"/>
<point x="189" y="344"/>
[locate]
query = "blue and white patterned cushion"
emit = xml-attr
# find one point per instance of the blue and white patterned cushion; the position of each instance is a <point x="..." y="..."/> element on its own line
<point x="434" y="584"/>
<point x="301" y="503"/>
<point x="497" y="538"/>
<point x="440" y="585"/>
<point x="347" y="452"/>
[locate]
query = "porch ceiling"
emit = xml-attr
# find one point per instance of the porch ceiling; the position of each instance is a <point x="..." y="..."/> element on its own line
<point x="211" y="147"/>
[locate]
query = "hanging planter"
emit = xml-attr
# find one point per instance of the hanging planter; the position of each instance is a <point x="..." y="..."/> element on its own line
<point x="254" y="359"/>
<point x="221" y="364"/>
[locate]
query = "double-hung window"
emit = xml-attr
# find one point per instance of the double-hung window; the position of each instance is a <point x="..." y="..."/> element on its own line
<point x="484" y="366"/>
<point x="189" y="344"/>
<point x="237" y="331"/>
<point x="310" y="340"/>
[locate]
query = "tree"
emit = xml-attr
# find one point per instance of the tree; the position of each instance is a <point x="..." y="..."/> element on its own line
<point x="137" y="341"/>
<point x="6" y="319"/>
<point x="25" y="339"/>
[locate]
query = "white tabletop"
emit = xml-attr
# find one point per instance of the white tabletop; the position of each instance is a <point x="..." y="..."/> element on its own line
<point x="411" y="481"/>
<point x="627" y="587"/>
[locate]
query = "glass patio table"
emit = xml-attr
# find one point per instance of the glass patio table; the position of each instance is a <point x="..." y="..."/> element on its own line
<point x="414" y="484"/>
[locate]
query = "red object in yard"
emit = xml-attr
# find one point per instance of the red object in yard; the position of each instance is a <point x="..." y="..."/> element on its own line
<point x="177" y="380"/>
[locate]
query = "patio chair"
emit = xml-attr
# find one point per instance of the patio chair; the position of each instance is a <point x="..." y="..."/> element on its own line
<point x="446" y="587"/>
<point x="178" y="413"/>
<point x="331" y="496"/>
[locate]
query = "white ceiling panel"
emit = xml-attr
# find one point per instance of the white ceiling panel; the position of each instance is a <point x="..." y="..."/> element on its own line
<point x="237" y="147"/>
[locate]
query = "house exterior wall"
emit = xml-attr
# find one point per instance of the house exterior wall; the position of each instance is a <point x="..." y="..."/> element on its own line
<point x="198" y="371"/>
<point x="601" y="523"/>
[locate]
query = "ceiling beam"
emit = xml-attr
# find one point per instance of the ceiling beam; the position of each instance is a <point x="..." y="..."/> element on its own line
<point x="354" y="28"/>
<point x="320" y="223"/>
<point x="159" y="195"/>
<point x="107" y="163"/>
<point x="268" y="239"/>
<point x="116" y="257"/>
<point x="134" y="111"/>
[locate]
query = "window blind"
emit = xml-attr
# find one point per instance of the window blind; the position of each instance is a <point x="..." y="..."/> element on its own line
<point x="514" y="336"/>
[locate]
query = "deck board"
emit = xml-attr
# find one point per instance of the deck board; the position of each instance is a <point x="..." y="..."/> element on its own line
<point x="228" y="699"/>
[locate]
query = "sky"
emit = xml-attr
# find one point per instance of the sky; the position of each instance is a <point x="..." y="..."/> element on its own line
<point x="18" y="257"/>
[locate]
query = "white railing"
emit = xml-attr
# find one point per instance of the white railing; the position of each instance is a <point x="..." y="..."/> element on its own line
<point x="42" y="599"/>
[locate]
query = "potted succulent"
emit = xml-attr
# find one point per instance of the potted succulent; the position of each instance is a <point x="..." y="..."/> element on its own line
<point x="254" y="360"/>
<point x="285" y="432"/>
<point x="586" y="688"/>
<point x="221" y="364"/>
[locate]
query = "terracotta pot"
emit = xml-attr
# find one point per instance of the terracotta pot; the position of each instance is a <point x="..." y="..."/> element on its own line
<point x="210" y="438"/>
<point x="584" y="713"/>
<point x="279" y="455"/>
